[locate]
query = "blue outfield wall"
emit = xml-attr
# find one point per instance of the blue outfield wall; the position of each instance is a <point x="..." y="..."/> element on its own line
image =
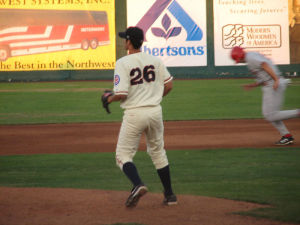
<point x="209" y="71"/>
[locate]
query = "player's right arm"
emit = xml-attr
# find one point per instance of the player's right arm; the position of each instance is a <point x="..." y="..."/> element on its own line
<point x="248" y="87"/>
<point x="265" y="67"/>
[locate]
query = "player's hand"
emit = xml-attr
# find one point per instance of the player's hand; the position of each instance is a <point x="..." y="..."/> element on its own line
<point x="276" y="84"/>
<point x="247" y="87"/>
<point x="104" y="99"/>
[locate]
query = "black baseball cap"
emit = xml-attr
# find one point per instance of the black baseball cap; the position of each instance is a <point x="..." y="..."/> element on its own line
<point x="135" y="35"/>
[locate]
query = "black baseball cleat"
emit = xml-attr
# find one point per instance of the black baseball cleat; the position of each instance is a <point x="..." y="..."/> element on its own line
<point x="136" y="193"/>
<point x="285" y="141"/>
<point x="170" y="199"/>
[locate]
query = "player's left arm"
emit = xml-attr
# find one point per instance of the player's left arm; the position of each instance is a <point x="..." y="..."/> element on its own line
<point x="168" y="87"/>
<point x="121" y="83"/>
<point x="265" y="66"/>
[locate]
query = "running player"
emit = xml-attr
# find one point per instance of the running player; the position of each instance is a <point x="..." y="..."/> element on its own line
<point x="274" y="86"/>
<point x="140" y="82"/>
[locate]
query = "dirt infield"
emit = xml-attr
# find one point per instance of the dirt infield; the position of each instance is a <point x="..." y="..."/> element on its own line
<point x="102" y="137"/>
<point x="44" y="206"/>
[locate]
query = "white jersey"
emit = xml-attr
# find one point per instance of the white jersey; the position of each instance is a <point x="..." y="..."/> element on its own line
<point x="141" y="77"/>
<point x="254" y="61"/>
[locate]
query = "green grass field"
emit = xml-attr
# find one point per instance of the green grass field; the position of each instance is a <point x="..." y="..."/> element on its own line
<point x="66" y="102"/>
<point x="267" y="176"/>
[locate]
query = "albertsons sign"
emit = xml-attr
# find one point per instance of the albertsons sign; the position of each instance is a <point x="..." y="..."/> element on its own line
<point x="175" y="30"/>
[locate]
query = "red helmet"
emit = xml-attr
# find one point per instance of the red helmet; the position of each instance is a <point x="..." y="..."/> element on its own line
<point x="237" y="54"/>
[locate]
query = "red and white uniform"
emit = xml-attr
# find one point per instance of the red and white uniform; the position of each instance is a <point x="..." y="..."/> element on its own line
<point x="272" y="99"/>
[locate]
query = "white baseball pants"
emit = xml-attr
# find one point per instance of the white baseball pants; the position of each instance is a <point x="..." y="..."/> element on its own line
<point x="135" y="122"/>
<point x="271" y="106"/>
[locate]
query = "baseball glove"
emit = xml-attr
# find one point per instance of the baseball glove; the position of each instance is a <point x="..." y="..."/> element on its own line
<point x="104" y="99"/>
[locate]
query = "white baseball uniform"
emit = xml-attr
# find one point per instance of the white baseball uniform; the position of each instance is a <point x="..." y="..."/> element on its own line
<point x="141" y="77"/>
<point x="272" y="99"/>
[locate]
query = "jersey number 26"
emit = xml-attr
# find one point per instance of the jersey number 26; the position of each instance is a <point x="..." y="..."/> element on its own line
<point x="138" y="76"/>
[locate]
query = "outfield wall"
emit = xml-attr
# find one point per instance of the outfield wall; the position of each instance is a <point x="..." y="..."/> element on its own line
<point x="207" y="71"/>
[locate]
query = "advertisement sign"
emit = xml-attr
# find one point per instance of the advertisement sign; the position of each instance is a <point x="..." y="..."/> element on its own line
<point x="256" y="25"/>
<point x="175" y="30"/>
<point x="57" y="35"/>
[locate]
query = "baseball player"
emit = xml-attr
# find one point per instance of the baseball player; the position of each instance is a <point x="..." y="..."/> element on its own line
<point x="273" y="87"/>
<point x="140" y="82"/>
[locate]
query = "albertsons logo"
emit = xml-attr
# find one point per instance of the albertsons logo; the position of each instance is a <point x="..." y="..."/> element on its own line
<point x="193" y="30"/>
<point x="171" y="30"/>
